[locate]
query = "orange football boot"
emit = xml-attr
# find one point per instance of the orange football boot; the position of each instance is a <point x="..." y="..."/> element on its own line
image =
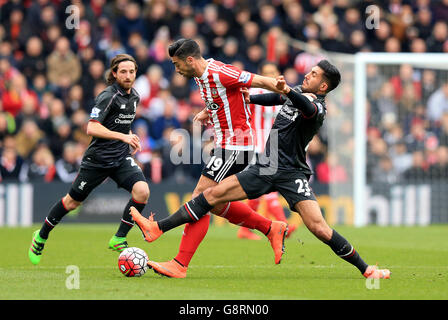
<point x="276" y="237"/>
<point x="375" y="273"/>
<point x="149" y="228"/>
<point x="170" y="269"/>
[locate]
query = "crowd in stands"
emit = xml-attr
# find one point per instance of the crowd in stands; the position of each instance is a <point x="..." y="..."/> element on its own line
<point x="52" y="67"/>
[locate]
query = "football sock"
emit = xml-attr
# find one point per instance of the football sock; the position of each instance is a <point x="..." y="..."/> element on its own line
<point x="127" y="223"/>
<point x="192" y="237"/>
<point x="275" y="208"/>
<point x="57" y="212"/>
<point x="345" y="250"/>
<point x="253" y="204"/>
<point x="241" y="214"/>
<point x="191" y="211"/>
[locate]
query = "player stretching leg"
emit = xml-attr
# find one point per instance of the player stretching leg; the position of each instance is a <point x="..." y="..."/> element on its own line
<point x="262" y="120"/>
<point x="282" y="167"/>
<point x="220" y="87"/>
<point x="108" y="155"/>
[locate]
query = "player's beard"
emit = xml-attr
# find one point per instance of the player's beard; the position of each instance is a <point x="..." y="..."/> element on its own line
<point x="125" y="84"/>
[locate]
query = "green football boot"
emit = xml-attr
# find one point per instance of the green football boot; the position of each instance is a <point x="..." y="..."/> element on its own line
<point x="118" y="244"/>
<point x="37" y="245"/>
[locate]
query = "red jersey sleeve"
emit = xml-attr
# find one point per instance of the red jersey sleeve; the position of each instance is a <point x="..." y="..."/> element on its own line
<point x="232" y="77"/>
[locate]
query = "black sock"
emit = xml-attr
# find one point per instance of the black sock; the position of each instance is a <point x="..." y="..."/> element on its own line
<point x="193" y="210"/>
<point x="127" y="223"/>
<point x="55" y="215"/>
<point x="344" y="249"/>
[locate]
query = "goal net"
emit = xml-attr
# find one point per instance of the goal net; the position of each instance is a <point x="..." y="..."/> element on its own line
<point x="386" y="137"/>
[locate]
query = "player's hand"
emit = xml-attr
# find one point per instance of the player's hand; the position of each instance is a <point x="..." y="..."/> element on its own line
<point x="134" y="141"/>
<point x="281" y="85"/>
<point x="246" y="94"/>
<point x="201" y="117"/>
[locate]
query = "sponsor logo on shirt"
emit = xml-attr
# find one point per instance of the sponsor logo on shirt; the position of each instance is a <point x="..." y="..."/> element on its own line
<point x="95" y="112"/>
<point x="244" y="77"/>
<point x="212" y="105"/>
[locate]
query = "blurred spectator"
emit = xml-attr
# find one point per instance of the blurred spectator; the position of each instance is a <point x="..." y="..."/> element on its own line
<point x="381" y="35"/>
<point x="401" y="159"/>
<point x="416" y="139"/>
<point x="179" y="87"/>
<point x="130" y="22"/>
<point x="405" y="77"/>
<point x="28" y="137"/>
<point x="439" y="170"/>
<point x="33" y="62"/>
<point x="351" y="22"/>
<point x="62" y="135"/>
<point x="12" y="166"/>
<point x="295" y="20"/>
<point x="17" y="94"/>
<point x="268" y="17"/>
<point x="166" y="120"/>
<point x="424" y="23"/>
<point x="429" y="84"/>
<point x="42" y="167"/>
<point x="56" y="117"/>
<point x="331" y="171"/>
<point x="67" y="166"/>
<point x="94" y="74"/>
<point x="332" y="39"/>
<point x="384" y="171"/>
<point x="64" y="67"/>
<point x="439" y="37"/>
<point x="418" y="171"/>
<point x="438" y="103"/>
<point x="149" y="84"/>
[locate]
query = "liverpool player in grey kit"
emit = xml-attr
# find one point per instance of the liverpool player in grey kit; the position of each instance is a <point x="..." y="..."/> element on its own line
<point x="282" y="167"/>
<point x="108" y="155"/>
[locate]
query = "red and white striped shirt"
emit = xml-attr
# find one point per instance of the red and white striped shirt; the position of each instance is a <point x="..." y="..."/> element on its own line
<point x="262" y="120"/>
<point x="220" y="89"/>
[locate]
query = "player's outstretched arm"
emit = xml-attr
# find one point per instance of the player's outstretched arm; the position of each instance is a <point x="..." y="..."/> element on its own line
<point x="265" y="99"/>
<point x="96" y="129"/>
<point x="265" y="83"/>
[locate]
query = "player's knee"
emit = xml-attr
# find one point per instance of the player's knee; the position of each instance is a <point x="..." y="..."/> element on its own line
<point x="140" y="191"/>
<point x="321" y="231"/>
<point x="213" y="195"/>
<point x="69" y="203"/>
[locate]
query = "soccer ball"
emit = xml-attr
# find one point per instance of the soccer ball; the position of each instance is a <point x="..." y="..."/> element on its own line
<point x="132" y="262"/>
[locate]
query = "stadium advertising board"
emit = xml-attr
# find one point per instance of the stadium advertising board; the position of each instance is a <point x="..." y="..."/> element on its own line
<point x="421" y="204"/>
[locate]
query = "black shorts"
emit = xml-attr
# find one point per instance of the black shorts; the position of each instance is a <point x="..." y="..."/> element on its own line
<point x="292" y="184"/>
<point x="224" y="163"/>
<point x="125" y="175"/>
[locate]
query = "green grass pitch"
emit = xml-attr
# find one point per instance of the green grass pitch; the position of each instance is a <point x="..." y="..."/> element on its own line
<point x="227" y="268"/>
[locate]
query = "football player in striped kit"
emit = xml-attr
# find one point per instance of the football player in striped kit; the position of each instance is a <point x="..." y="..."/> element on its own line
<point x="220" y="87"/>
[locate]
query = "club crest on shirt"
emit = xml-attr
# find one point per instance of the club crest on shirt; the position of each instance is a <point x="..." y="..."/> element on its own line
<point x="214" y="93"/>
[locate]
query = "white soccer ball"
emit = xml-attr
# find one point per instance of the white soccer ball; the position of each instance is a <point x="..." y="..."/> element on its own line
<point x="133" y="262"/>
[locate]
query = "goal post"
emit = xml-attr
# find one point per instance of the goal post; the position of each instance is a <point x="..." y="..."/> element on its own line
<point x="437" y="61"/>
